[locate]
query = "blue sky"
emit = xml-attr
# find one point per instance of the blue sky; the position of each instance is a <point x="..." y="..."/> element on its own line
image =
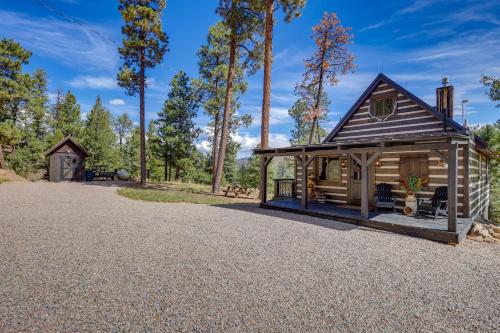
<point x="416" y="43"/>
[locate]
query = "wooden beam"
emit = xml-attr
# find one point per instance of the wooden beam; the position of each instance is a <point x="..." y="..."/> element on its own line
<point x="309" y="160"/>
<point x="465" y="182"/>
<point x="373" y="158"/>
<point x="452" y="187"/>
<point x="438" y="154"/>
<point x="364" y="185"/>
<point x="303" y="201"/>
<point x="263" y="179"/>
<point x="269" y="159"/>
<point x="355" y="157"/>
<point x="335" y="151"/>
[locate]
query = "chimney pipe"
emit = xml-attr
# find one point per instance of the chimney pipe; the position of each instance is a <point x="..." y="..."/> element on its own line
<point x="444" y="101"/>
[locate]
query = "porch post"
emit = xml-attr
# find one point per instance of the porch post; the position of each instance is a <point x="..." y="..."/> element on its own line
<point x="303" y="199"/>
<point x="452" y="187"/>
<point x="263" y="179"/>
<point x="364" y="185"/>
<point x="465" y="182"/>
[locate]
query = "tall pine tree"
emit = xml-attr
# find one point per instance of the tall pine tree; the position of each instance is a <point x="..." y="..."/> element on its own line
<point x="331" y="58"/>
<point x="177" y="130"/>
<point x="292" y="9"/>
<point x="144" y="45"/>
<point x="213" y="67"/>
<point x="244" y="18"/>
<point x="99" y="138"/>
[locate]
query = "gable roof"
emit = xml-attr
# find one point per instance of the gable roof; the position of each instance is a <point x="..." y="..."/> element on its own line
<point x="381" y="78"/>
<point x="68" y="138"/>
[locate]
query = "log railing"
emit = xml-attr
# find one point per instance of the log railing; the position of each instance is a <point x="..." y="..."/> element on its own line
<point x="284" y="188"/>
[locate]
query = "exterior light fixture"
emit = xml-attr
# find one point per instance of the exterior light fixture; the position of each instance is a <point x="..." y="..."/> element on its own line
<point x="440" y="163"/>
<point x="378" y="163"/>
<point x="344" y="162"/>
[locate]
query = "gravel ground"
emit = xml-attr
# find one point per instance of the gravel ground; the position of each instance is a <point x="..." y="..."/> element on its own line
<point x="76" y="257"/>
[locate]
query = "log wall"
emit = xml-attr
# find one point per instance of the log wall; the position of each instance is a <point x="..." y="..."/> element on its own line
<point x="409" y="118"/>
<point x="479" y="190"/>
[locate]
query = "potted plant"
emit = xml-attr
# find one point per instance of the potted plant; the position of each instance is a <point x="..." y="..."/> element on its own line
<point x="412" y="184"/>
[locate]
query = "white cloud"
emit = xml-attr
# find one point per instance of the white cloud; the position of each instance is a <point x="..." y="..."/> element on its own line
<point x="94" y="82"/>
<point x="117" y="101"/>
<point x="66" y="42"/>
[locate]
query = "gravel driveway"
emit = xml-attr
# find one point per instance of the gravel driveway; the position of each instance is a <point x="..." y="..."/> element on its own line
<point x="76" y="257"/>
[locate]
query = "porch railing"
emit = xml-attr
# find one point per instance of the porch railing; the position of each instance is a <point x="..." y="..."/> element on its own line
<point x="284" y="188"/>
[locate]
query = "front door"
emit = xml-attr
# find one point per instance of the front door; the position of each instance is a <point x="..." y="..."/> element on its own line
<point x="68" y="167"/>
<point x="355" y="183"/>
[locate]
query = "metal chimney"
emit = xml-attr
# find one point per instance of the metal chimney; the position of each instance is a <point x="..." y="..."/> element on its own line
<point x="444" y="101"/>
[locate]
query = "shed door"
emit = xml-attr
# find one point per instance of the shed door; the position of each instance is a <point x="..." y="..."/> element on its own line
<point x="69" y="165"/>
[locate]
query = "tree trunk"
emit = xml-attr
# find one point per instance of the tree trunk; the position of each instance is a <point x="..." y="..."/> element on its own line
<point x="165" y="166"/>
<point x="317" y="103"/>
<point x="142" y="120"/>
<point x="2" y="161"/>
<point x="177" y="173"/>
<point x="227" y="114"/>
<point x="215" y="145"/>
<point x="268" y="60"/>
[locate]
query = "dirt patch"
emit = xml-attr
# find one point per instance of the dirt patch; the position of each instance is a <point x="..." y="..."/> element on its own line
<point x="10" y="176"/>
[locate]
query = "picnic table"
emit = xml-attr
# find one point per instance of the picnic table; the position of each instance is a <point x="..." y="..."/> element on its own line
<point x="237" y="190"/>
<point x="102" y="172"/>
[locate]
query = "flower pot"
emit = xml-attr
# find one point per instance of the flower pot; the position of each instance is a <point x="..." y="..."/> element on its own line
<point x="410" y="205"/>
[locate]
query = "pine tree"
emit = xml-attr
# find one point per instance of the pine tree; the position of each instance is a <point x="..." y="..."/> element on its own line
<point x="213" y="67"/>
<point x="299" y="112"/>
<point x="123" y="125"/>
<point x="244" y="18"/>
<point x="153" y="152"/>
<point x="98" y="137"/>
<point x="144" y="45"/>
<point x="67" y="117"/>
<point x="176" y="127"/>
<point x="331" y="58"/>
<point x="493" y="85"/>
<point x="14" y="84"/>
<point x="132" y="153"/>
<point x="292" y="9"/>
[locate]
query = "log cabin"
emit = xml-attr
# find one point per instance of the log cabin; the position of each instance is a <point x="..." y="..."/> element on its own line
<point x="388" y="133"/>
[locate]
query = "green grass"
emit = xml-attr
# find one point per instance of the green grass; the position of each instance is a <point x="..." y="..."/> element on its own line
<point x="188" y="194"/>
<point x="3" y="180"/>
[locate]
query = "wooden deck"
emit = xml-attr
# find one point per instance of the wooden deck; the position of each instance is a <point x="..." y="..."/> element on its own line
<point x="421" y="226"/>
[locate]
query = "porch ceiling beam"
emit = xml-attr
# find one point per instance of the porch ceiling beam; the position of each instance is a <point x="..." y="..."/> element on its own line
<point x="438" y="154"/>
<point x="335" y="151"/>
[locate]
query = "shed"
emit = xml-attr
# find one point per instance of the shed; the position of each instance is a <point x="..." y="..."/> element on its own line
<point x="67" y="161"/>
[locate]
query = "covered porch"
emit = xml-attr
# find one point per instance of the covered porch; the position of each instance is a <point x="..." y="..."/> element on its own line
<point x="418" y="226"/>
<point x="451" y="229"/>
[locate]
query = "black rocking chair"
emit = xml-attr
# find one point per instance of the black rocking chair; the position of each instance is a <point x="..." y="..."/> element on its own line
<point x="436" y="206"/>
<point x="384" y="198"/>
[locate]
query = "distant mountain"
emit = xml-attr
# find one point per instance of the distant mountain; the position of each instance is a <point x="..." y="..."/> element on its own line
<point x="240" y="162"/>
